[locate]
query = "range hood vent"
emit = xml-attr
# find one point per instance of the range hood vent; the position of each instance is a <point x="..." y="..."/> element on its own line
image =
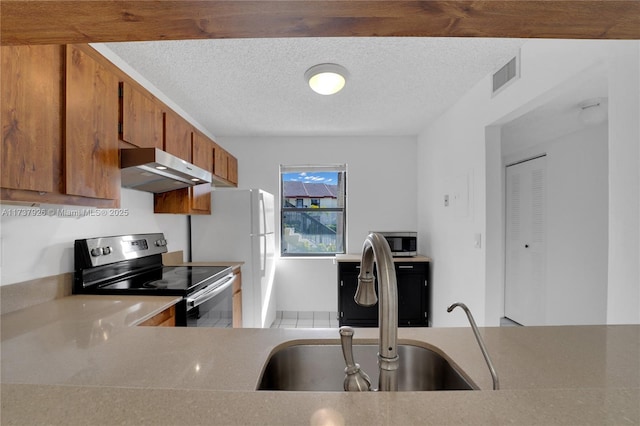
<point x="153" y="170"/>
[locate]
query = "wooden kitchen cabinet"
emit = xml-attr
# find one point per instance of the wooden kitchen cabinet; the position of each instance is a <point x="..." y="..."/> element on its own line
<point x="220" y="162"/>
<point x="232" y="170"/>
<point x="225" y="167"/>
<point x="413" y="296"/>
<point x="141" y="117"/>
<point x="201" y="151"/>
<point x="66" y="111"/>
<point x="202" y="156"/>
<point x="92" y="160"/>
<point x="166" y="318"/>
<point x="32" y="106"/>
<point x="184" y="201"/>
<point x="58" y="128"/>
<point x="237" y="299"/>
<point x="177" y="136"/>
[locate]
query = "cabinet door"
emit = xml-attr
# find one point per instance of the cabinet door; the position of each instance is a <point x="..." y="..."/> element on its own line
<point x="32" y="102"/>
<point x="177" y="136"/>
<point x="349" y="312"/>
<point x="92" y="167"/>
<point x="412" y="293"/>
<point x="232" y="169"/>
<point x="141" y="118"/>
<point x="201" y="198"/>
<point x="220" y="162"/>
<point x="202" y="152"/>
<point x="202" y="156"/>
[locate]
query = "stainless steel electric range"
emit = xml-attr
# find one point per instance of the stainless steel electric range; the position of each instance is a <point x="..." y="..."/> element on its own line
<point x="132" y="264"/>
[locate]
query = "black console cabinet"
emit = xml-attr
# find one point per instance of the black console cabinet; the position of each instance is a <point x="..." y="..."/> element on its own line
<point x="413" y="296"/>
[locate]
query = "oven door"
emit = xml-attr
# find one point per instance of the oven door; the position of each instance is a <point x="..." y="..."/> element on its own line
<point x="213" y="305"/>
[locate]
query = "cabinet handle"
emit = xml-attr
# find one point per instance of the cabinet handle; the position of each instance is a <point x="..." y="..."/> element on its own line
<point x="341" y="283"/>
<point x="405" y="266"/>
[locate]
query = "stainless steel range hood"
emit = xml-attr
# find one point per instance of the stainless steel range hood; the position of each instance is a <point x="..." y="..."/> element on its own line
<point x="154" y="170"/>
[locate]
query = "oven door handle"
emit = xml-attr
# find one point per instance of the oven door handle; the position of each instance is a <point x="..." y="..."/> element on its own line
<point x="205" y="294"/>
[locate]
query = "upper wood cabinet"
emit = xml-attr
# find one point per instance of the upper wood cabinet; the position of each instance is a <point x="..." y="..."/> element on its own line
<point x="59" y="138"/>
<point x="141" y="117"/>
<point x="232" y="170"/>
<point x="177" y="136"/>
<point x="66" y="111"/>
<point x="202" y="155"/>
<point x="225" y="167"/>
<point x="32" y="102"/>
<point x="202" y="151"/>
<point x="92" y="161"/>
<point x="220" y="161"/>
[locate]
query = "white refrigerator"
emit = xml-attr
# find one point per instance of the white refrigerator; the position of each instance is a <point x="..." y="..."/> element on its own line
<point x="241" y="228"/>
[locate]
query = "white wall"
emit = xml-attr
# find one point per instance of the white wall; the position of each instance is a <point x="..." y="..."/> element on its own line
<point x="38" y="246"/>
<point x="459" y="143"/>
<point x="381" y="195"/>
<point x="624" y="184"/>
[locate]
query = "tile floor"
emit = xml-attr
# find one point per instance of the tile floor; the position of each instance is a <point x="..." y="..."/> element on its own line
<point x="506" y="322"/>
<point x="302" y="319"/>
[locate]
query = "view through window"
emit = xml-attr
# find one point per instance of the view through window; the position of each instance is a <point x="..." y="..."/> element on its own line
<point x="313" y="200"/>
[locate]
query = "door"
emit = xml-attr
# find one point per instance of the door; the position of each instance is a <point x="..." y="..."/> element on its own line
<point x="525" y="245"/>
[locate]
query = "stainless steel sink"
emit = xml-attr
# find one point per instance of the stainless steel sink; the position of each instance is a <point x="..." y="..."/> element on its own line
<point x="321" y="368"/>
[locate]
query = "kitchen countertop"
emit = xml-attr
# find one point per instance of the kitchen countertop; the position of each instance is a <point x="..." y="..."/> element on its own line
<point x="81" y="360"/>
<point x="358" y="258"/>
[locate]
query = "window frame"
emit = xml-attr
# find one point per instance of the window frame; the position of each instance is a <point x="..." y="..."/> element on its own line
<point x="342" y="187"/>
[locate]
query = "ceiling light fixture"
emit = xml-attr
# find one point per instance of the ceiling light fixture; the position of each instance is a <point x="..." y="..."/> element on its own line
<point x="326" y="79"/>
<point x="593" y="111"/>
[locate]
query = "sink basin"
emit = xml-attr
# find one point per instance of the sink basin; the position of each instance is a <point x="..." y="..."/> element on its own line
<point x="321" y="368"/>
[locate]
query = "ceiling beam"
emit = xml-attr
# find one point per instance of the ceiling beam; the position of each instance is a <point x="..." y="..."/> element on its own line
<point x="84" y="21"/>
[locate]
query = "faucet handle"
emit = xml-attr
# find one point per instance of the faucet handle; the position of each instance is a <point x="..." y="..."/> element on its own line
<point x="355" y="379"/>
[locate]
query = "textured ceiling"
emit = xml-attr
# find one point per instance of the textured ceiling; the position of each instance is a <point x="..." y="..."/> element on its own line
<point x="256" y="87"/>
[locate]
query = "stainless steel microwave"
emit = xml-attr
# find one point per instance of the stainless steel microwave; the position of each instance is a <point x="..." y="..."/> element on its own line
<point x="402" y="243"/>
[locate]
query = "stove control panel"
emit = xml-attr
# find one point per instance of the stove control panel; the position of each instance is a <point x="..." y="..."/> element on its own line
<point x="92" y="252"/>
<point x="100" y="251"/>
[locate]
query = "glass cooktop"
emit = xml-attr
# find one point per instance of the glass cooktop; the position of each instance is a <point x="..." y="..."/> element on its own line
<point x="168" y="280"/>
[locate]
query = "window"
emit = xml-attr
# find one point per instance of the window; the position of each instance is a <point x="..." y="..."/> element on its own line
<point x="313" y="213"/>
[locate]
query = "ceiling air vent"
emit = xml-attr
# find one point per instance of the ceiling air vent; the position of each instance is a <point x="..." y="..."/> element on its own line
<point x="507" y="74"/>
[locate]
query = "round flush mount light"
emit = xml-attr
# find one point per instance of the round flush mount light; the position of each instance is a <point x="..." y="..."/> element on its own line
<point x="593" y="111"/>
<point x="326" y="79"/>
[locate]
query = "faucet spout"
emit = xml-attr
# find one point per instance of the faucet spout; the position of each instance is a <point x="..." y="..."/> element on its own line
<point x="483" y="348"/>
<point x="376" y="249"/>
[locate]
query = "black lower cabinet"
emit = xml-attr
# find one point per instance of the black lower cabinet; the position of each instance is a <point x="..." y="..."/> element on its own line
<point x="413" y="296"/>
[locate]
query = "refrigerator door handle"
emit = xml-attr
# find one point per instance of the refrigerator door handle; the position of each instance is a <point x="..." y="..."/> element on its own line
<point x="263" y="261"/>
<point x="263" y="216"/>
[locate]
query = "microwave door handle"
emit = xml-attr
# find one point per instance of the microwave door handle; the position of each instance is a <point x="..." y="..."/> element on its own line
<point x="205" y="296"/>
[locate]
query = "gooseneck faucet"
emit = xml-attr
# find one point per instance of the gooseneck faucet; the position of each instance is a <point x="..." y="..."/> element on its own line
<point x="483" y="348"/>
<point x="376" y="249"/>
